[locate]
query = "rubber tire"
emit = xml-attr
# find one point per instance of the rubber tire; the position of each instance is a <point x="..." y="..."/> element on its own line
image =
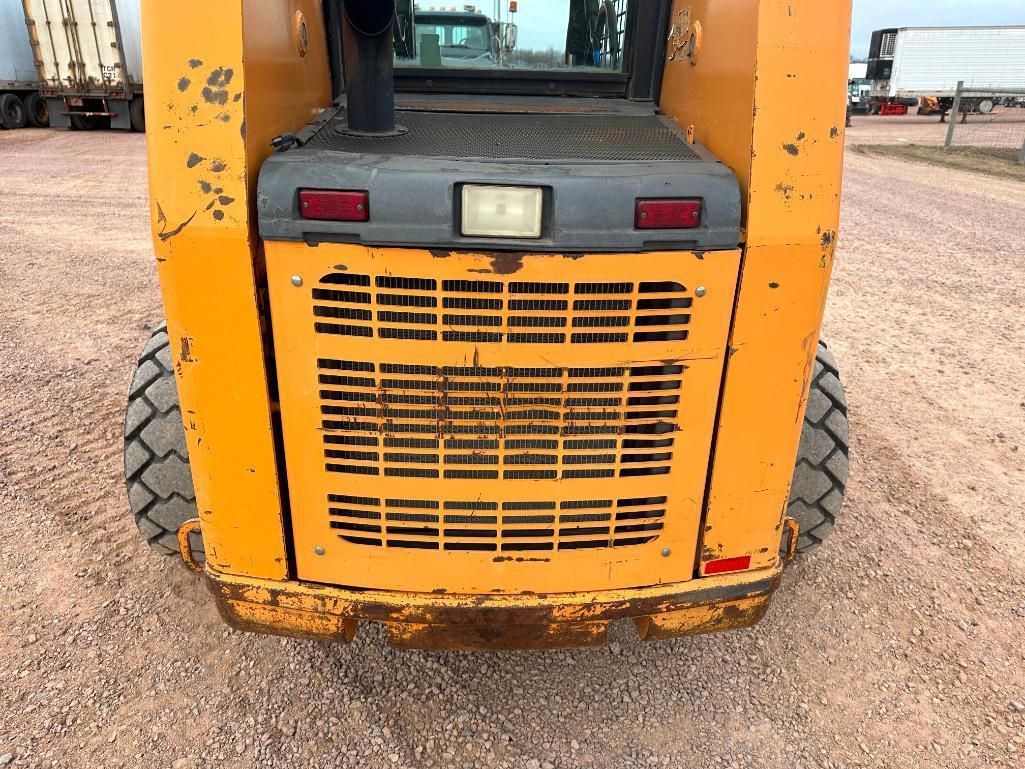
<point x="36" y="111"/>
<point x="137" y="115"/>
<point x="820" y="475"/>
<point x="986" y="106"/>
<point x="88" y="122"/>
<point x="12" y="112"/>
<point x="157" y="471"/>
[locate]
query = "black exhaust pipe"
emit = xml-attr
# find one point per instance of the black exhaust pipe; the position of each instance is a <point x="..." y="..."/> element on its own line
<point x="368" y="45"/>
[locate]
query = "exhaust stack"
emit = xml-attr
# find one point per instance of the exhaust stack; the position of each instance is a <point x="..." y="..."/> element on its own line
<point x="368" y="33"/>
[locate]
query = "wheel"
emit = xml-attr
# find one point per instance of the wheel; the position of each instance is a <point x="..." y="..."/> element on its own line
<point x="986" y="106"/>
<point x="137" y="115"/>
<point x="88" y="122"/>
<point x="36" y="111"/>
<point x="12" y="111"/>
<point x="820" y="476"/>
<point x="157" y="471"/>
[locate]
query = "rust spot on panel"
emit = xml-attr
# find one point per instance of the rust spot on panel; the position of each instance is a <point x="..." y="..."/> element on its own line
<point x="186" y="354"/>
<point x="195" y="63"/>
<point x="183" y="84"/>
<point x="507" y="263"/>
<point x="194" y="160"/>
<point x="224" y="200"/>
<point x="218" y="215"/>
<point x="217" y="166"/>
<point x="834" y="132"/>
<point x="774" y="284"/>
<point x="792" y="149"/>
<point x="786" y="190"/>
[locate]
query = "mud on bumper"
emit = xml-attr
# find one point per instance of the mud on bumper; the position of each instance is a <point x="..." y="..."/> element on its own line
<point x="493" y="622"/>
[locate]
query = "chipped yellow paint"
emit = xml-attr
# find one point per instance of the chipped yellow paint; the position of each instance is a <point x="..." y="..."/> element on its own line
<point x="767" y="97"/>
<point x="222" y="78"/>
<point x="454" y="621"/>
<point x="706" y="618"/>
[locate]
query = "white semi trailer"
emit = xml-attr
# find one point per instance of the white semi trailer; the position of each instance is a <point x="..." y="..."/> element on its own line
<point x="20" y="103"/>
<point x="913" y="63"/>
<point x="88" y="55"/>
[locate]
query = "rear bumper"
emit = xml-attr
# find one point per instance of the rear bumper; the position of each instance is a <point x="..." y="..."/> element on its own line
<point x="473" y="622"/>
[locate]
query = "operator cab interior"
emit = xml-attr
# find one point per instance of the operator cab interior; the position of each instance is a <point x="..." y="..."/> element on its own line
<point x="532" y="128"/>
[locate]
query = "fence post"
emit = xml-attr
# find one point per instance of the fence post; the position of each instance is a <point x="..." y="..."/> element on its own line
<point x="1021" y="156"/>
<point x="953" y="115"/>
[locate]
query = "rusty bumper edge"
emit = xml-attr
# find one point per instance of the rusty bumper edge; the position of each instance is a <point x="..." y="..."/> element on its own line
<point x="524" y="621"/>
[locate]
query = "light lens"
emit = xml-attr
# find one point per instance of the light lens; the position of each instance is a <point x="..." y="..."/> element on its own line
<point x="334" y="205"/>
<point x="726" y="565"/>
<point x="668" y="214"/>
<point x="502" y="212"/>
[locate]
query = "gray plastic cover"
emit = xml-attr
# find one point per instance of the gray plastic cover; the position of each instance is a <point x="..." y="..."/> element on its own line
<point x="414" y="189"/>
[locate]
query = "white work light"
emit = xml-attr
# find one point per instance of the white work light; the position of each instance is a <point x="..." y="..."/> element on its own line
<point x="502" y="212"/>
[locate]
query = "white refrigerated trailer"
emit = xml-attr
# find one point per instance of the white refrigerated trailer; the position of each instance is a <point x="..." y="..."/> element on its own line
<point x="89" y="57"/>
<point x="20" y="103"/>
<point x="912" y="63"/>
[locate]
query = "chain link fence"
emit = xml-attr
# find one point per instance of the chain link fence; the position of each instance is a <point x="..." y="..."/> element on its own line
<point x="991" y="120"/>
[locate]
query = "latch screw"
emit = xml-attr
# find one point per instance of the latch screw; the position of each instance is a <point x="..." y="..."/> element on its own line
<point x="318" y="550"/>
<point x="666" y="553"/>
<point x="701" y="291"/>
<point x="297" y="281"/>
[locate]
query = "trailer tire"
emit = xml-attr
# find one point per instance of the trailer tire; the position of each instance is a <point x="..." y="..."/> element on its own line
<point x="820" y="474"/>
<point x="986" y="106"/>
<point x="12" y="112"/>
<point x="137" y="115"/>
<point x="88" y="122"/>
<point x="157" y="471"/>
<point x="36" y="111"/>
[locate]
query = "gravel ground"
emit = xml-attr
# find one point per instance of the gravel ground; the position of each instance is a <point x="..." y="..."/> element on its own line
<point x="901" y="644"/>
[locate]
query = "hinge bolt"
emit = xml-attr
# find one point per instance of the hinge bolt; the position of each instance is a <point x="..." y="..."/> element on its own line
<point x="666" y="553"/>
<point x="319" y="550"/>
<point x="297" y="281"/>
<point x="701" y="291"/>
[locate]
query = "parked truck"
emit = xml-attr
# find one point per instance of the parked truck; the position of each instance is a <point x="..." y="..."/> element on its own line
<point x="923" y="65"/>
<point x="20" y="102"/>
<point x="88" y="56"/>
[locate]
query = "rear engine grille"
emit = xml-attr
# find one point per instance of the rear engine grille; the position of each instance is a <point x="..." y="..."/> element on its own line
<point x="496" y="312"/>
<point x="506" y="527"/>
<point x="408" y="420"/>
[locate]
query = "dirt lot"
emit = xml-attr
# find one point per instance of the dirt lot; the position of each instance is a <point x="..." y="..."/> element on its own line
<point x="902" y="644"/>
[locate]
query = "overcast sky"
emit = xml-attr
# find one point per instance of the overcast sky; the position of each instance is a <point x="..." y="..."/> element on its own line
<point x="870" y="15"/>
<point x="543" y="22"/>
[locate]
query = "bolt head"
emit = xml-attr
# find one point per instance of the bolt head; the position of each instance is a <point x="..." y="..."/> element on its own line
<point x="701" y="291"/>
<point x="297" y="281"/>
<point x="666" y="553"/>
<point x="319" y="550"/>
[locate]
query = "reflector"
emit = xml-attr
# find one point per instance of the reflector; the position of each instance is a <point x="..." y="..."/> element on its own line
<point x="668" y="214"/>
<point x="502" y="212"/>
<point x="724" y="565"/>
<point x="335" y="205"/>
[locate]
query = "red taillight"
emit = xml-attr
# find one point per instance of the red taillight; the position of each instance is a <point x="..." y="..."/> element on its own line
<point x="668" y="214"/>
<point x="724" y="565"/>
<point x="334" y="205"/>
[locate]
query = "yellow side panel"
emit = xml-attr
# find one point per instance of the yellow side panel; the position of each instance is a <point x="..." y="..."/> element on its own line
<point x="791" y="174"/>
<point x="215" y="92"/>
<point x="716" y="95"/>
<point x="499" y="423"/>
